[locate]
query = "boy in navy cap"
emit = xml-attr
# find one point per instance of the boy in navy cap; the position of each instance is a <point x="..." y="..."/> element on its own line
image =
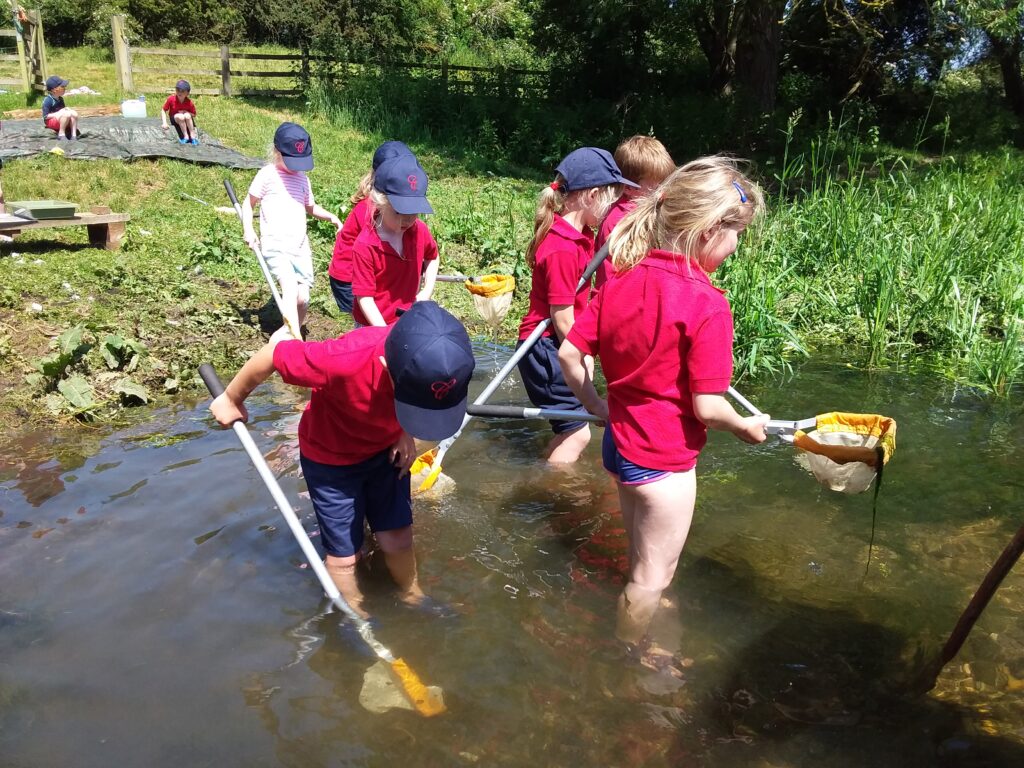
<point x="56" y="116"/>
<point x="374" y="390"/>
<point x="182" y="110"/>
<point x="282" y="191"/>
<point x="390" y="257"/>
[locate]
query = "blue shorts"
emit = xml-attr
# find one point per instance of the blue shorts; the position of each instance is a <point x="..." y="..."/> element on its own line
<point x="342" y="295"/>
<point x="545" y="385"/>
<point x="625" y="471"/>
<point x="343" y="497"/>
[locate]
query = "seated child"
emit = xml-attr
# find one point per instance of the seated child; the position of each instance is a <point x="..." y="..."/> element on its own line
<point x="182" y="110"/>
<point x="56" y="116"/>
<point x="646" y="160"/>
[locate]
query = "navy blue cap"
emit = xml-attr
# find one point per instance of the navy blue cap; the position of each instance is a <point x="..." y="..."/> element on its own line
<point x="589" y="167"/>
<point x="55" y="81"/>
<point x="431" y="362"/>
<point x="388" y="150"/>
<point x="295" y="146"/>
<point x="182" y="85"/>
<point x="405" y="184"/>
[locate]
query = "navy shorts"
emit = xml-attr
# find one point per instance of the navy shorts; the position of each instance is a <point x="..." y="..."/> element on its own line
<point x="625" y="471"/>
<point x="545" y="385"/>
<point x="342" y="295"/>
<point x="343" y="497"/>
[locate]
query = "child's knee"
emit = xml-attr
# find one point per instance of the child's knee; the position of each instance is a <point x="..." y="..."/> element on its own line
<point x="399" y="540"/>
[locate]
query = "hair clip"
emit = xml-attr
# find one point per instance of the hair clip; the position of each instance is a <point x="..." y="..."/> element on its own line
<point x="555" y="186"/>
<point x="743" y="195"/>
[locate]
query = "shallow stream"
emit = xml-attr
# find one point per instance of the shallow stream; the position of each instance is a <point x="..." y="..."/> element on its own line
<point x="154" y="610"/>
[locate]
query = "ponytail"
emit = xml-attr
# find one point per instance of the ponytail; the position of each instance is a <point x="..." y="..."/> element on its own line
<point x="363" y="190"/>
<point x="550" y="201"/>
<point x="635" y="235"/>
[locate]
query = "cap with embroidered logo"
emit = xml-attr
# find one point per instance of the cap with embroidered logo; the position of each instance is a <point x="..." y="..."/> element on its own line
<point x="388" y="150"/>
<point x="404" y="183"/>
<point x="589" y="167"/>
<point x="295" y="146"/>
<point x="431" y="362"/>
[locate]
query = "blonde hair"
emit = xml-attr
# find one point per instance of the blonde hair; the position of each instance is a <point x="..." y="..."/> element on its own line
<point x="552" y="199"/>
<point x="364" y="188"/>
<point x="273" y="154"/>
<point x="378" y="202"/>
<point x="644" y="157"/>
<point x="695" y="199"/>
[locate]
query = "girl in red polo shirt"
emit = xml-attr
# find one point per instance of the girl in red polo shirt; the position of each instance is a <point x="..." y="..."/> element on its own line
<point x="390" y="258"/>
<point x="360" y="217"/>
<point x="586" y="183"/>
<point x="664" y="335"/>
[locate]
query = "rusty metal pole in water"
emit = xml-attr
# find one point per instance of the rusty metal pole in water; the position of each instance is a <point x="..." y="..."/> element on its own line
<point x="974" y="609"/>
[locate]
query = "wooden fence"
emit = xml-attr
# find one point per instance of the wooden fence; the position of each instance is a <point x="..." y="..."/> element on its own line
<point x="235" y="73"/>
<point x="22" y="50"/>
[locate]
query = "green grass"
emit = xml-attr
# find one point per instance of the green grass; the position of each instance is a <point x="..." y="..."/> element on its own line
<point x="893" y="259"/>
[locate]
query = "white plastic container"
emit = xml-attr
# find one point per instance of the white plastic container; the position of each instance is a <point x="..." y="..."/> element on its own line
<point x="133" y="108"/>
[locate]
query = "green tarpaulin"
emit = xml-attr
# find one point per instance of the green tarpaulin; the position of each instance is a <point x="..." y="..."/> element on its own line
<point x="117" y="138"/>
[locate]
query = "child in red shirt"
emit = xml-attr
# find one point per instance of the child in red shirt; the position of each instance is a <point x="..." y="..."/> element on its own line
<point x="358" y="219"/>
<point x="374" y="390"/>
<point x="645" y="159"/>
<point x="586" y="182"/>
<point x="182" y="110"/>
<point x="390" y="257"/>
<point x="664" y="336"/>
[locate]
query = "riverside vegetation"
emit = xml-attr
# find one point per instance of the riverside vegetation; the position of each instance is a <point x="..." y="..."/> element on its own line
<point x="882" y="257"/>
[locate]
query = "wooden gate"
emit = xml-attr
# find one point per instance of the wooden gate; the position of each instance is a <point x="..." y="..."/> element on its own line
<point x="30" y="55"/>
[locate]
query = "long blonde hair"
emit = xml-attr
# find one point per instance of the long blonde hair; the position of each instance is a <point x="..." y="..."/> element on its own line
<point x="363" y="190"/>
<point x="552" y="199"/>
<point x="696" y="198"/>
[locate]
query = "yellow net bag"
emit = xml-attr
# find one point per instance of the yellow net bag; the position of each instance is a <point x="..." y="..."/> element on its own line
<point x="846" y="451"/>
<point x="492" y="297"/>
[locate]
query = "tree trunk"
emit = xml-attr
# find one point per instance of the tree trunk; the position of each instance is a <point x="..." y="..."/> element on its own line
<point x="1008" y="54"/>
<point x="716" y="34"/>
<point x="758" y="51"/>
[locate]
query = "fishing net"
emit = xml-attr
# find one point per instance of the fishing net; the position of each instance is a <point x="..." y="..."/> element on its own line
<point x="847" y="451"/>
<point x="492" y="296"/>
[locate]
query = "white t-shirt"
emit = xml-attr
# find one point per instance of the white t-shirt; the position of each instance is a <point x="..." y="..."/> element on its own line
<point x="283" y="197"/>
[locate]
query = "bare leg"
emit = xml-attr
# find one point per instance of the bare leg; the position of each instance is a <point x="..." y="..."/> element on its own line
<point x="567" y="447"/>
<point x="662" y="513"/>
<point x="191" y="126"/>
<point x="302" y="302"/>
<point x="343" y="574"/>
<point x="63" y="120"/>
<point x="400" y="557"/>
<point x="289" y="297"/>
<point x="74" y="125"/>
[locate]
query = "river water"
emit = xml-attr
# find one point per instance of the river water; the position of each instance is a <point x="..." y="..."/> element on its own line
<point x="155" y="611"/>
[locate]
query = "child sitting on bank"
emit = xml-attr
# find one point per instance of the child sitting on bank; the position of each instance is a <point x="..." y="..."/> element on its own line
<point x="374" y="390"/>
<point x="645" y="160"/>
<point x="56" y="115"/>
<point x="664" y="335"/>
<point x="358" y="219"/>
<point x="284" y="195"/>
<point x="180" y="109"/>
<point x="586" y="183"/>
<point x="390" y="258"/>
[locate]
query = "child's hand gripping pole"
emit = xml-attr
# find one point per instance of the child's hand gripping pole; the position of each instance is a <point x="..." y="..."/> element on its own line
<point x="434" y="456"/>
<point x="425" y="701"/>
<point x="292" y="325"/>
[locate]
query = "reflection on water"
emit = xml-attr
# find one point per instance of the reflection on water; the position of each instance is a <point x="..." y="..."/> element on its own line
<point x="154" y="612"/>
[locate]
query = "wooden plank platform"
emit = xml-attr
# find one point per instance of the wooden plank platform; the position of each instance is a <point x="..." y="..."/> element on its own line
<point x="105" y="228"/>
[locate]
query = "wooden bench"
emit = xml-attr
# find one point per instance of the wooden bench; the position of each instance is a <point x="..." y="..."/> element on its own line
<point x="105" y="228"/>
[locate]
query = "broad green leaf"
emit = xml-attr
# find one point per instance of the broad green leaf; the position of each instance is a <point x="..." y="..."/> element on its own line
<point x="131" y="390"/>
<point x="77" y="391"/>
<point x="70" y="340"/>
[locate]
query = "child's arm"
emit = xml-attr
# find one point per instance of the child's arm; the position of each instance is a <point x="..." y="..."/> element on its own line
<point x="317" y="212"/>
<point x="578" y="370"/>
<point x="164" y="114"/>
<point x="229" y="407"/>
<point x="716" y="412"/>
<point x="562" y="317"/>
<point x="429" y="278"/>
<point x="249" y="233"/>
<point x="370" y="310"/>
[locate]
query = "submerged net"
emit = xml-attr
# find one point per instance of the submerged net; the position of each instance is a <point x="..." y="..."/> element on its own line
<point x="846" y="451"/>
<point x="492" y="297"/>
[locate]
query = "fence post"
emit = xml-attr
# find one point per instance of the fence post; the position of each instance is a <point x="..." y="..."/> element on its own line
<point x="122" y="54"/>
<point x="444" y="76"/>
<point x="37" y="53"/>
<point x="305" y="66"/>
<point x="23" y="62"/>
<point x="225" y="71"/>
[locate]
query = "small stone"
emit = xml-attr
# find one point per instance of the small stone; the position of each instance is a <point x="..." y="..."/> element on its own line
<point x="35" y="307"/>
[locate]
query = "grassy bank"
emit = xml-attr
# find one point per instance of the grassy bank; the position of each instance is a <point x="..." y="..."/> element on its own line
<point x="895" y="259"/>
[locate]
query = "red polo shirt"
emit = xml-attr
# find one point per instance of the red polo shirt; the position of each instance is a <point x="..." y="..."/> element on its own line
<point x="360" y="217"/>
<point x="663" y="332"/>
<point x="173" y="106"/>
<point x="562" y="258"/>
<point x="391" y="280"/>
<point x="615" y="214"/>
<point x="351" y="412"/>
